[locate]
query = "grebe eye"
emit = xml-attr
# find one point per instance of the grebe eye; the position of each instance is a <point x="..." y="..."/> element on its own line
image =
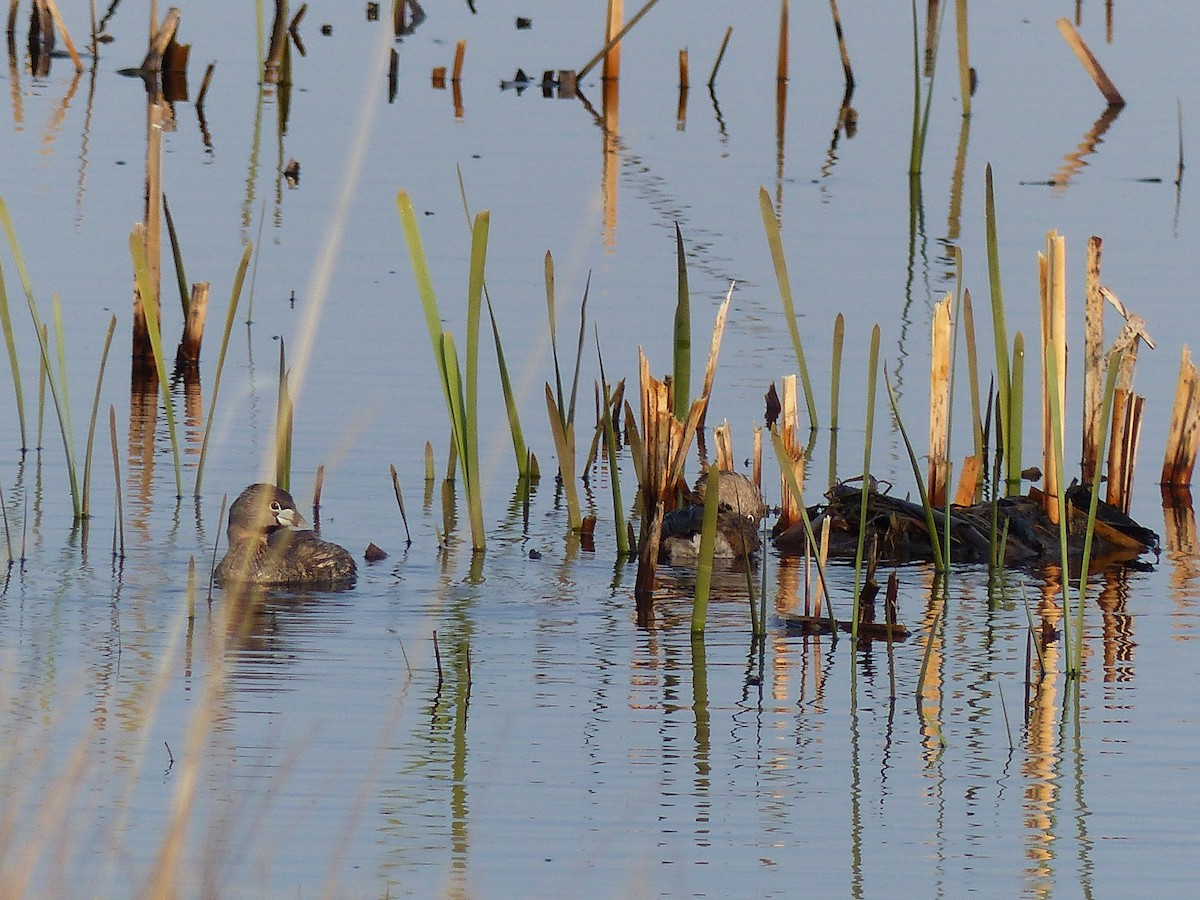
<point x="275" y="507"/>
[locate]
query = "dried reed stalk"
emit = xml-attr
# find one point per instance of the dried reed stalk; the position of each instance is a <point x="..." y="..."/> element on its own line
<point x="1053" y="281"/>
<point x="847" y="69"/>
<point x="1090" y="63"/>
<point x="939" y="401"/>
<point x="1093" y="361"/>
<point x="66" y="35"/>
<point x="1183" y="438"/>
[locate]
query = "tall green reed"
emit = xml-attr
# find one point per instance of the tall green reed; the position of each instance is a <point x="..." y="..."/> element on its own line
<point x="460" y="389"/>
<point x="13" y="362"/>
<point x="87" y="456"/>
<point x="775" y="242"/>
<point x="704" y="558"/>
<point x="57" y="391"/>
<point x="683" y="333"/>
<point x="868" y="438"/>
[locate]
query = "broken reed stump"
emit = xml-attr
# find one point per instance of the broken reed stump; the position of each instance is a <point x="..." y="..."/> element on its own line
<point x="789" y="503"/>
<point x="1183" y="438"/>
<point x="188" y="354"/>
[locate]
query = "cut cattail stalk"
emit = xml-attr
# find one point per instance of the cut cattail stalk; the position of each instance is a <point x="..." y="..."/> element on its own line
<point x="1183" y="439"/>
<point x="193" y="327"/>
<point x="1052" y="270"/>
<point x="438" y="77"/>
<point x="684" y="83"/>
<point x="1090" y="63"/>
<point x="612" y="27"/>
<point x="939" y="401"/>
<point x="789" y="512"/>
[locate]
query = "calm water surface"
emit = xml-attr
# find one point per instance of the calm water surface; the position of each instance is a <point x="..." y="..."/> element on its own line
<point x="560" y="750"/>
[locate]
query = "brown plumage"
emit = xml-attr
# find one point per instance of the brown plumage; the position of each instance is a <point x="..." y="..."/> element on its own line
<point x="271" y="544"/>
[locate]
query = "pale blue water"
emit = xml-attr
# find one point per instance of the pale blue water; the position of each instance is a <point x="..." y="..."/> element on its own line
<point x="590" y="758"/>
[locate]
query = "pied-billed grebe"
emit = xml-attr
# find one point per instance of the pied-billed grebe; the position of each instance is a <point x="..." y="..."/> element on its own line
<point x="270" y="543"/>
<point x="739" y="513"/>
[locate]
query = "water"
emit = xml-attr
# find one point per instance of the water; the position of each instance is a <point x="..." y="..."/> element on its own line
<point x="574" y="753"/>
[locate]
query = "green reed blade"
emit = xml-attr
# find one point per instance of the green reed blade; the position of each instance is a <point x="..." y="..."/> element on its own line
<point x="610" y="446"/>
<point x="416" y="252"/>
<point x="44" y="346"/>
<point x="708" y="544"/>
<point x="587" y="287"/>
<point x="775" y="242"/>
<point x="283" y="425"/>
<point x="683" y="333"/>
<point x="940" y="560"/>
<point x="400" y="503"/>
<point x="789" y="474"/>
<point x="185" y="298"/>
<point x="868" y="439"/>
<point x="87" y="456"/>
<point x="142" y="273"/>
<point x="479" y="241"/>
<point x="1014" y="431"/>
<point x="552" y="314"/>
<point x="999" y="328"/>
<point x="13" y="362"/>
<point x="60" y="344"/>
<point x="44" y="335"/>
<point x="835" y="373"/>
<point x="119" y="526"/>
<point x="68" y="443"/>
<point x="564" y="446"/>
<point x="234" y="296"/>
<point x="510" y="402"/>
